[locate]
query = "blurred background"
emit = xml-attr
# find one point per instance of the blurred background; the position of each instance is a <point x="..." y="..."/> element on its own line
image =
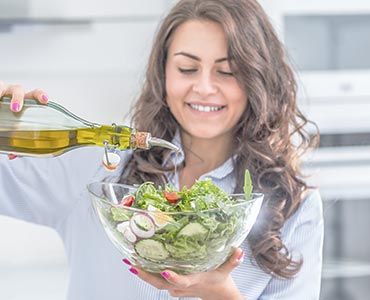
<point x="90" y="56"/>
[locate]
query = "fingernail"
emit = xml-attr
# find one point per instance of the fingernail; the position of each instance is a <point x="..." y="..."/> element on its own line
<point x="133" y="271"/>
<point x="16" y="106"/>
<point x="12" y="156"/>
<point x="126" y="261"/>
<point x="240" y="258"/>
<point x="45" y="98"/>
<point x="165" y="274"/>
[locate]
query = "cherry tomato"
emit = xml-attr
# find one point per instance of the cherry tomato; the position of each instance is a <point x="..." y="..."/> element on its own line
<point x="171" y="197"/>
<point x="127" y="200"/>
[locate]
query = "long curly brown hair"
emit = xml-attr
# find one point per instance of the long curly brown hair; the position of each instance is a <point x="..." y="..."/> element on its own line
<point x="270" y="136"/>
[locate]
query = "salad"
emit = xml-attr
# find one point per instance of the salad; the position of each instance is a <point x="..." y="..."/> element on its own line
<point x="162" y="225"/>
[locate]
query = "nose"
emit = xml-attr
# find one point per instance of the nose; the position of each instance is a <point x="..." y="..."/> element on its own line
<point x="205" y="84"/>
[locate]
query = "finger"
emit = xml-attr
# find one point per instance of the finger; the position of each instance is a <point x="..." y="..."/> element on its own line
<point x="16" y="92"/>
<point x="235" y="260"/>
<point x="2" y="88"/>
<point x="12" y="156"/>
<point x="38" y="94"/>
<point x="153" y="279"/>
<point x="180" y="281"/>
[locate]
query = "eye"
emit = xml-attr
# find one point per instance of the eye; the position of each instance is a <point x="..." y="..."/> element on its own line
<point x="226" y="73"/>
<point x="187" y="71"/>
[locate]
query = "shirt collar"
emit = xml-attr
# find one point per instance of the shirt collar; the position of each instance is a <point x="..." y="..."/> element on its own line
<point x="220" y="172"/>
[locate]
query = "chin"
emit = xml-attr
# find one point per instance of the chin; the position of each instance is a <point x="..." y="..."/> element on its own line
<point x="204" y="133"/>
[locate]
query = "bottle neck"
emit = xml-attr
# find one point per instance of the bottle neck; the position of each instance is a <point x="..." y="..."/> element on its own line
<point x="113" y="136"/>
<point x="123" y="138"/>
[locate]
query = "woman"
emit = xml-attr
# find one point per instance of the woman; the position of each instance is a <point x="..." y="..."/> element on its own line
<point x="219" y="86"/>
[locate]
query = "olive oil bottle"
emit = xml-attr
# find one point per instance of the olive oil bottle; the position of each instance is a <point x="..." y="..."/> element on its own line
<point x="50" y="130"/>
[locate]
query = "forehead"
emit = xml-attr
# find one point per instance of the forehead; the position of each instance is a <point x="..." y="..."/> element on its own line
<point x="200" y="38"/>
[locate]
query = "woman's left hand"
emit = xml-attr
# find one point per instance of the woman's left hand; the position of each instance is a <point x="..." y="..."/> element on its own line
<point x="211" y="285"/>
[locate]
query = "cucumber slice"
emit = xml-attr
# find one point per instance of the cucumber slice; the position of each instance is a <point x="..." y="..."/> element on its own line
<point x="193" y="229"/>
<point x="151" y="250"/>
<point x="119" y="214"/>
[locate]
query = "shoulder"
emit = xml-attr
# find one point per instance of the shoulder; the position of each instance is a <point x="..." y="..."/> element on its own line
<point x="310" y="206"/>
<point x="309" y="215"/>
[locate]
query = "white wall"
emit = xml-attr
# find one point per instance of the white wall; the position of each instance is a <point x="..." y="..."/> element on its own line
<point x="93" y="68"/>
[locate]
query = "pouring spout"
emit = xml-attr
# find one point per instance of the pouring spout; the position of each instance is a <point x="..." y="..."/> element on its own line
<point x="162" y="143"/>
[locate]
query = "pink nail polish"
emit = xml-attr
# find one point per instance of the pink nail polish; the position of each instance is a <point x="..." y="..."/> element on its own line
<point x="12" y="156"/>
<point x="16" y="106"/>
<point x="165" y="274"/>
<point x="45" y="98"/>
<point x="133" y="271"/>
<point x="126" y="261"/>
<point x="241" y="257"/>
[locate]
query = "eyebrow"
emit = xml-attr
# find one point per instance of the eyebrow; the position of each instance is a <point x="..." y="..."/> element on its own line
<point x="198" y="58"/>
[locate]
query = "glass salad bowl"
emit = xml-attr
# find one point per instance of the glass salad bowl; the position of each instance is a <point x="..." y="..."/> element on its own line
<point x="156" y="237"/>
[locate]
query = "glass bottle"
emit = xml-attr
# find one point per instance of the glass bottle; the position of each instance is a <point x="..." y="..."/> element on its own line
<point x="50" y="130"/>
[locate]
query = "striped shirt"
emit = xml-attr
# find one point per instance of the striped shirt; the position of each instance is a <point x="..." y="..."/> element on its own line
<point x="52" y="192"/>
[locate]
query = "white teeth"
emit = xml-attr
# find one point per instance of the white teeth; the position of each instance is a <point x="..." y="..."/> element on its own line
<point x="205" y="108"/>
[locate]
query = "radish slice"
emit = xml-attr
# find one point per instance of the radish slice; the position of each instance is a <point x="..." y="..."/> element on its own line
<point x="125" y="229"/>
<point x="142" y="225"/>
<point x="129" y="235"/>
<point x="121" y="227"/>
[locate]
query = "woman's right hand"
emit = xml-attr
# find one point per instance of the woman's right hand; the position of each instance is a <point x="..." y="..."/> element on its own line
<point x="17" y="93"/>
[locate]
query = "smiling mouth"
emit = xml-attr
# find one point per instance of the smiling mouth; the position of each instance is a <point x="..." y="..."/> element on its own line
<point x="205" y="108"/>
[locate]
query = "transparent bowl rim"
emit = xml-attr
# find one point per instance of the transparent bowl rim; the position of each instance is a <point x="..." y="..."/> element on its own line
<point x="255" y="197"/>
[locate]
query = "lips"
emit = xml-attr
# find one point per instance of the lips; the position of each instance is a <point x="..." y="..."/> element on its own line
<point x="206" y="108"/>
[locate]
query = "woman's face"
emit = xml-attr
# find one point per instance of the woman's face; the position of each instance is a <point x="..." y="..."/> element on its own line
<point x="202" y="93"/>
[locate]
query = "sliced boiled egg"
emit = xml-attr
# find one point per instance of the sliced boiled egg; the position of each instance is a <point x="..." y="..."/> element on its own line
<point x="160" y="218"/>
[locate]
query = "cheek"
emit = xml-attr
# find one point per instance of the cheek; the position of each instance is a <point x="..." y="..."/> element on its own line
<point x="171" y="83"/>
<point x="238" y="103"/>
<point x="170" y="96"/>
<point x="176" y="88"/>
<point x="238" y="97"/>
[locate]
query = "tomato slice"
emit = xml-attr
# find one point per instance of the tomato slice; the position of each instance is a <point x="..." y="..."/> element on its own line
<point x="127" y="200"/>
<point x="171" y="197"/>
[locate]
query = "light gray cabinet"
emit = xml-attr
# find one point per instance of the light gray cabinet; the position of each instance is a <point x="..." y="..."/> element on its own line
<point x="330" y="52"/>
